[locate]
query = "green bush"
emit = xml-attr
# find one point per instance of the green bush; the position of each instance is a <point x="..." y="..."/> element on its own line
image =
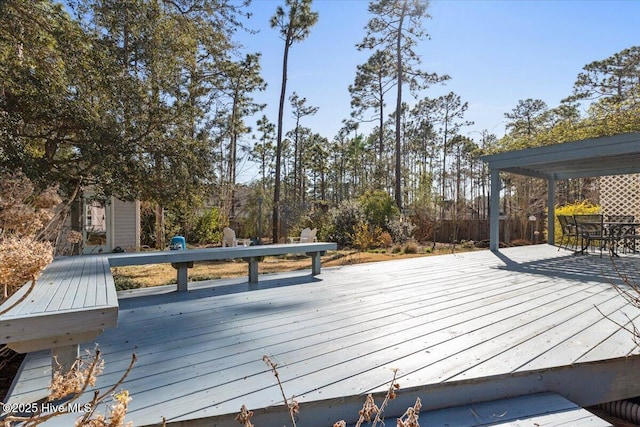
<point x="207" y="229"/>
<point x="343" y="221"/>
<point x="378" y="208"/>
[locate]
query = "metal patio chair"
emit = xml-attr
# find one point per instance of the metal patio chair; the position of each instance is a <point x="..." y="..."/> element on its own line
<point x="591" y="230"/>
<point x="623" y="229"/>
<point x="569" y="231"/>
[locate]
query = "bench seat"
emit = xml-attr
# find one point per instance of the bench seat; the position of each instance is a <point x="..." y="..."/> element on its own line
<point x="184" y="259"/>
<point x="72" y="302"/>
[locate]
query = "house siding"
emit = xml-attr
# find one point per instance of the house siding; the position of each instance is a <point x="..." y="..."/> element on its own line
<point x="126" y="225"/>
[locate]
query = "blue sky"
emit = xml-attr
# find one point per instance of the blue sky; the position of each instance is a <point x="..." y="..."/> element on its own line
<point x="496" y="52"/>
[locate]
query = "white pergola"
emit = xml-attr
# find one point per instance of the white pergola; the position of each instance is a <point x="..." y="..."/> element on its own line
<point x="611" y="155"/>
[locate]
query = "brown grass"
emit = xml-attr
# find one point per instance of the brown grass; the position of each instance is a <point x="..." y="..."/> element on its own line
<point x="163" y="274"/>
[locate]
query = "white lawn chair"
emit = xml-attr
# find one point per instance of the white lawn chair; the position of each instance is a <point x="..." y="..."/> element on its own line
<point x="229" y="238"/>
<point x="303" y="238"/>
<point x="311" y="237"/>
<point x="307" y="235"/>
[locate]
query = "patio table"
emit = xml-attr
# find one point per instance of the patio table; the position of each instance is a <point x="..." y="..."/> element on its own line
<point x="612" y="234"/>
<point x="622" y="232"/>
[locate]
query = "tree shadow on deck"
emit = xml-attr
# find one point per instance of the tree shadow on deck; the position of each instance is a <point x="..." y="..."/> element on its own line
<point x="581" y="268"/>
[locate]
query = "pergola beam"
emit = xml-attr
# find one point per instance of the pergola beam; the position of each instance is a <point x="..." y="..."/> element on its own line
<point x="611" y="155"/>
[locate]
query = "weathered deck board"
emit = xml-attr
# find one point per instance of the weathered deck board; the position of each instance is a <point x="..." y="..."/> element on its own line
<point x="72" y="301"/>
<point x="474" y="319"/>
<point x="53" y="274"/>
<point x="544" y="409"/>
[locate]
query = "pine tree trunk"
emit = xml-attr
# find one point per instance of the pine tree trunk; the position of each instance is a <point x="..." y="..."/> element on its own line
<point x="276" y="189"/>
<point x="398" y="186"/>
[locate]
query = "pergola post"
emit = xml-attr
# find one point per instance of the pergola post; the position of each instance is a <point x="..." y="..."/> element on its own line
<point x="494" y="211"/>
<point x="551" y="211"/>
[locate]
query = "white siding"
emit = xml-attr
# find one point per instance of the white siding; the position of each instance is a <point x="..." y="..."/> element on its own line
<point x="126" y="225"/>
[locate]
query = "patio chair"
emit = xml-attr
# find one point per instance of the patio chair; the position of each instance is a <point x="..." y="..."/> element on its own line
<point x="229" y="238"/>
<point x="591" y="229"/>
<point x="569" y="231"/>
<point x="303" y="238"/>
<point x="307" y="235"/>
<point x="623" y="227"/>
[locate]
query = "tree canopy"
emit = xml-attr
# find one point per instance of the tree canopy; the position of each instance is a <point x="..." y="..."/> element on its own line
<point x="154" y="100"/>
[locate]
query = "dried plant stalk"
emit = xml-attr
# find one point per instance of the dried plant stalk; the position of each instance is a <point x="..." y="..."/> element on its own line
<point x="291" y="404"/>
<point x="369" y="407"/>
<point x="410" y="417"/>
<point x="74" y="383"/>
<point x="391" y="394"/>
<point x="631" y="293"/>
<point x="24" y="215"/>
<point x="244" y="417"/>
<point x="22" y="260"/>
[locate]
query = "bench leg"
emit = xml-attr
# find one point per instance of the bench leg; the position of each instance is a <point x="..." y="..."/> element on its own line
<point x="183" y="279"/>
<point x="253" y="269"/>
<point x="315" y="263"/>
<point x="63" y="358"/>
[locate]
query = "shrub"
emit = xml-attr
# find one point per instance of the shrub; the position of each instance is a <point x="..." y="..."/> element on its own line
<point x="124" y="283"/>
<point x="520" y="242"/>
<point x="378" y="208"/>
<point x="377" y="251"/>
<point x="148" y="225"/>
<point x="21" y="261"/>
<point x="578" y="208"/>
<point x="343" y="221"/>
<point x="385" y="239"/>
<point x="396" y="249"/>
<point x="207" y="229"/>
<point x="424" y="225"/>
<point x="401" y="230"/>
<point x="25" y="214"/>
<point x="366" y="237"/>
<point x="411" y="247"/>
<point x="467" y="244"/>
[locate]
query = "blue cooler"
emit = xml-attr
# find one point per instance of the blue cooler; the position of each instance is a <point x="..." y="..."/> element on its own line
<point x="177" y="242"/>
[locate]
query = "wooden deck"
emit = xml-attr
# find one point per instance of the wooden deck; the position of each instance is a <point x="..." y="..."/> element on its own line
<point x="460" y="329"/>
<point x="73" y="301"/>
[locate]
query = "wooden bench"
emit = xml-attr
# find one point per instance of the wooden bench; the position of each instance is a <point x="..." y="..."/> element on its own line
<point x="184" y="259"/>
<point x="75" y="298"/>
<point x="72" y="302"/>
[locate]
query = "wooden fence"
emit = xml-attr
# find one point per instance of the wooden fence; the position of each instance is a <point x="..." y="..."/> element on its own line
<point x="478" y="230"/>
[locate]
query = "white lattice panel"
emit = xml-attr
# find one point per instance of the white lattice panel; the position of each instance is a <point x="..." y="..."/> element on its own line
<point x="620" y="195"/>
